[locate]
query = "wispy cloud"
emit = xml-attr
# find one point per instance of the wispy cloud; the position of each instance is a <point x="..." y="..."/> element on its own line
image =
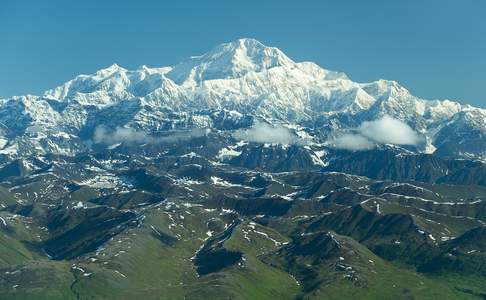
<point x="352" y="142"/>
<point x="262" y="132"/>
<point x="385" y="130"/>
<point x="389" y="131"/>
<point x="131" y="136"/>
<point x="105" y="136"/>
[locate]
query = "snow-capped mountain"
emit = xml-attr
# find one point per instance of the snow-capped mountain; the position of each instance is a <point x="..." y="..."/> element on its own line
<point x="233" y="81"/>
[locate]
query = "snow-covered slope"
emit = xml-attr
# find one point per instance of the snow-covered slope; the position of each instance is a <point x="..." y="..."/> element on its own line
<point x="243" y="77"/>
<point x="229" y="60"/>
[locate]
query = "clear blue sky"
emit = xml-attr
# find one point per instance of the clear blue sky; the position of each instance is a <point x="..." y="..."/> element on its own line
<point x="437" y="49"/>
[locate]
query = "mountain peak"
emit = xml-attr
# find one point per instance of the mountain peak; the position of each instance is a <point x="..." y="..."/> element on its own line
<point x="244" y="44"/>
<point x="229" y="60"/>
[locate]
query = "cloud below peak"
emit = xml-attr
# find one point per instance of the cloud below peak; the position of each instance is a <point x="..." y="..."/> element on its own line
<point x="385" y="130"/>
<point x="388" y="130"/>
<point x="352" y="142"/>
<point x="262" y="132"/>
<point x="128" y="135"/>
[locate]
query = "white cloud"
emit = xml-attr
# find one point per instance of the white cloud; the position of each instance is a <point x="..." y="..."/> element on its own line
<point x="385" y="130"/>
<point x="128" y="135"/>
<point x="389" y="131"/>
<point x="132" y="136"/>
<point x="262" y="132"/>
<point x="352" y="142"/>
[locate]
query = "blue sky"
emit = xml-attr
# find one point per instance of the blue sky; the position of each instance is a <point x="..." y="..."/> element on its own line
<point x="437" y="49"/>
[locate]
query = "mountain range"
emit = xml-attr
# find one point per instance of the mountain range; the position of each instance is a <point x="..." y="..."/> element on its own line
<point x="231" y="83"/>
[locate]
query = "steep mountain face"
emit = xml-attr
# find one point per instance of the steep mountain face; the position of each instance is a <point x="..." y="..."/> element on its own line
<point x="230" y="60"/>
<point x="240" y="174"/>
<point x="238" y="79"/>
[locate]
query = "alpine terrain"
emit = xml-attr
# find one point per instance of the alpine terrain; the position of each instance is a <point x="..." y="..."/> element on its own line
<point x="240" y="174"/>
